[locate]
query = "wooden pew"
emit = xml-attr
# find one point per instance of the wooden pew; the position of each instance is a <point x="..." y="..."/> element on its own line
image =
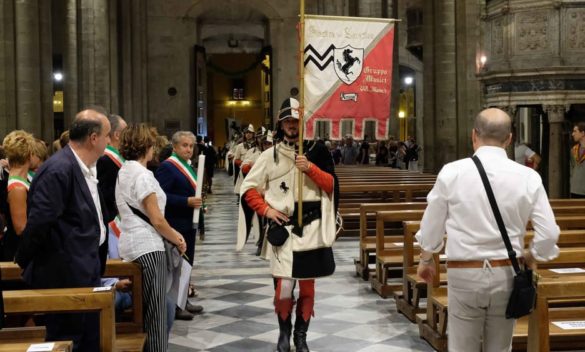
<point x="386" y="258"/>
<point x="64" y="301"/>
<point x="542" y="335"/>
<point x="414" y="287"/>
<point x="433" y="325"/>
<point x="368" y="241"/>
<point x="114" y="268"/>
<point x="130" y="333"/>
<point x="60" y="346"/>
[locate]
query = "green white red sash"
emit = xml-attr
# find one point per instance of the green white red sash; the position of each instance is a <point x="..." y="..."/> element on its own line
<point x="184" y="168"/>
<point x="115" y="226"/>
<point x="114" y="154"/>
<point x="31" y="174"/>
<point x="15" y="182"/>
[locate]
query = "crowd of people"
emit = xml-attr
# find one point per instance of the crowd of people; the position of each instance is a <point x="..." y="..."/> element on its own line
<point x="390" y="153"/>
<point x="118" y="190"/>
<point x="109" y="190"/>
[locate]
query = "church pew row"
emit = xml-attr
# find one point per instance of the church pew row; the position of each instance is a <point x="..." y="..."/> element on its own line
<point x="367" y="232"/>
<point x="414" y="288"/>
<point x="391" y="259"/>
<point x="537" y="333"/>
<point x="130" y="336"/>
<point x="433" y="323"/>
<point x="67" y="301"/>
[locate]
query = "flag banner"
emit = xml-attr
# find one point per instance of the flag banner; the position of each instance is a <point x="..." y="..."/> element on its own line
<point x="348" y="73"/>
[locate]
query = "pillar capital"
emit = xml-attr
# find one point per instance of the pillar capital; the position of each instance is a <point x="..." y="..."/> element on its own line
<point x="556" y="112"/>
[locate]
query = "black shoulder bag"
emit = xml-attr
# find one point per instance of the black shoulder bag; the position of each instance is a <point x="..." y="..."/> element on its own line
<point x="523" y="295"/>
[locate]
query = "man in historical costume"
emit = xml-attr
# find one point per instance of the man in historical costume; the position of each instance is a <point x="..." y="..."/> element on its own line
<point x="107" y="172"/>
<point x="64" y="242"/>
<point x="248" y="221"/>
<point x="239" y="152"/>
<point x="179" y="181"/>
<point x="271" y="189"/>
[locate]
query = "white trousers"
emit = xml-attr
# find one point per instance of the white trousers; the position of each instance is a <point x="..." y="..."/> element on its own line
<point x="477" y="309"/>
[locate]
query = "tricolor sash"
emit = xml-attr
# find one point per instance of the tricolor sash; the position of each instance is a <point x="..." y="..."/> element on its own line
<point x="184" y="168"/>
<point x="31" y="174"/>
<point x="114" y="154"/>
<point x="115" y="226"/>
<point x="15" y="182"/>
<point x="578" y="158"/>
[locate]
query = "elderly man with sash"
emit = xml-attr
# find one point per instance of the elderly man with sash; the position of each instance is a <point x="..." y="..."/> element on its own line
<point x="177" y="178"/>
<point x="107" y="168"/>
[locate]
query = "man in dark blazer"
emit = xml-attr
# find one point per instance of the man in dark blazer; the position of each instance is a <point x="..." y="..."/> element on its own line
<point x="176" y="178"/>
<point x="60" y="245"/>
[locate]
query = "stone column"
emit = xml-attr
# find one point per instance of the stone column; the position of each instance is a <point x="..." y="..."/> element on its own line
<point x="46" y="71"/>
<point x="94" y="53"/>
<point x="28" y="80"/>
<point x="70" y="65"/>
<point x="7" y="74"/>
<point x="556" y="117"/>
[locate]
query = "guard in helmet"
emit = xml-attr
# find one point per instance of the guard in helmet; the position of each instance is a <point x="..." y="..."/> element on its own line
<point x="248" y="221"/>
<point x="297" y="252"/>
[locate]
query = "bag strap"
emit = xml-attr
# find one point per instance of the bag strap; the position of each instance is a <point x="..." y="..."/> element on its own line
<point x="497" y="215"/>
<point x="139" y="214"/>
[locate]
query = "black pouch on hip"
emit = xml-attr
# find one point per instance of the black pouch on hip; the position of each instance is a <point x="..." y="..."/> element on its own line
<point x="523" y="295"/>
<point x="276" y="234"/>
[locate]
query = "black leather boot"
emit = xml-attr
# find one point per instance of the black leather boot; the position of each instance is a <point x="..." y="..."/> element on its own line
<point x="300" y="334"/>
<point x="284" y="336"/>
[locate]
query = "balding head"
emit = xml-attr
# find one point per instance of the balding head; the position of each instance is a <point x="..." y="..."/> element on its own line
<point x="492" y="127"/>
<point x="89" y="135"/>
<point x="85" y="124"/>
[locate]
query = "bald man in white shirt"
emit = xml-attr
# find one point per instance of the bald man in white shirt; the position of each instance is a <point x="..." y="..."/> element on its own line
<point x="480" y="273"/>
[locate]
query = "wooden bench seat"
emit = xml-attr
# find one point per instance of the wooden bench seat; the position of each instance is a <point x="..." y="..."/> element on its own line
<point x="60" y="346"/>
<point x="395" y="258"/>
<point x="367" y="250"/>
<point x="435" y="333"/>
<point x="130" y="336"/>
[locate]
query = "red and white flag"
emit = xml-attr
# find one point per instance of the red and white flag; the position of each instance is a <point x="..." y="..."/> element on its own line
<point x="348" y="73"/>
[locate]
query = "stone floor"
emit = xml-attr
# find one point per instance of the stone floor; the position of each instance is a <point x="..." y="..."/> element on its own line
<point x="236" y="291"/>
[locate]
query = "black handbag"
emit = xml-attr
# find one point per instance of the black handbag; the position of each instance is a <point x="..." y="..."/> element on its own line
<point x="276" y="234"/>
<point x="523" y="297"/>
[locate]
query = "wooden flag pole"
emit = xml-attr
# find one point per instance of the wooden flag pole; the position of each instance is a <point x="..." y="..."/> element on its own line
<point x="301" y="104"/>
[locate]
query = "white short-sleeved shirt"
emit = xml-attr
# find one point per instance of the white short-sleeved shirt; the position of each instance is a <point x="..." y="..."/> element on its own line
<point x="135" y="182"/>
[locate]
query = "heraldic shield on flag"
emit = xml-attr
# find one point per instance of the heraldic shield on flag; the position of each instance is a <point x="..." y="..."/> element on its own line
<point x="348" y="73"/>
<point x="348" y="63"/>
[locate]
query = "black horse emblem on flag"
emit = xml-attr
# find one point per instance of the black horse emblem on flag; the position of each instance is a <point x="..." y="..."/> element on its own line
<point x="348" y="63"/>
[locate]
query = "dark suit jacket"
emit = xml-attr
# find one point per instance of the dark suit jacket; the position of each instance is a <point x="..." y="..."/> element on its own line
<point x="60" y="243"/>
<point x="178" y="189"/>
<point x="107" y="173"/>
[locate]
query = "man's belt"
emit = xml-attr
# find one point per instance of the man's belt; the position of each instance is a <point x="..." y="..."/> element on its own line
<point x="477" y="264"/>
<point x="311" y="212"/>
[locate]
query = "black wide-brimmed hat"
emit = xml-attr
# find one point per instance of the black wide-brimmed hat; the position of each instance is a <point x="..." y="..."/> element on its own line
<point x="289" y="108"/>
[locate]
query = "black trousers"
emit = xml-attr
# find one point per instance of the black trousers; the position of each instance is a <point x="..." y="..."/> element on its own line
<point x="81" y="328"/>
